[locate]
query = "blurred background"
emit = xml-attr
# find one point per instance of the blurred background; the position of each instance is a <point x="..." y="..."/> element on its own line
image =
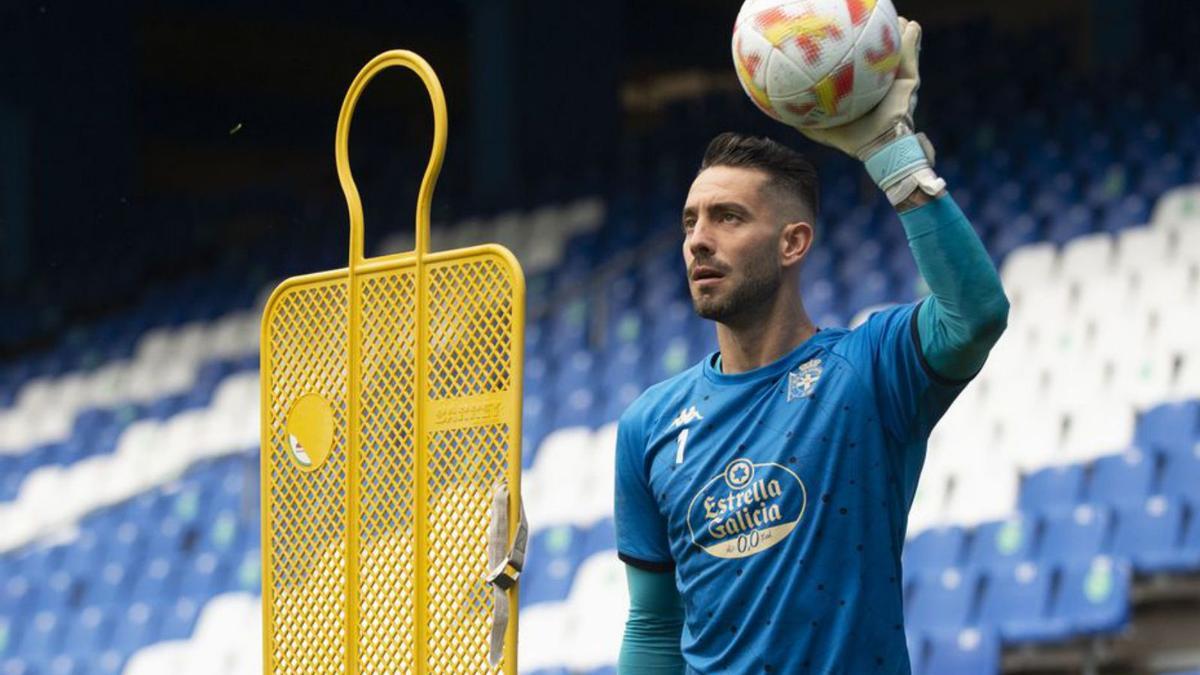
<point x="163" y="165"/>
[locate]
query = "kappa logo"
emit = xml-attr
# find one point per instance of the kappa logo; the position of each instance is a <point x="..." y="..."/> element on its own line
<point x="686" y="416"/>
<point x="803" y="380"/>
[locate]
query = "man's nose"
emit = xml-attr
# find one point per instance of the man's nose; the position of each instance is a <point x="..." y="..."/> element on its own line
<point x="700" y="242"/>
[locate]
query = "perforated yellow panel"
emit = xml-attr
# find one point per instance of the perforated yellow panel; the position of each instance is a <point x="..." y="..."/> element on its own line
<point x="387" y="578"/>
<point x="375" y="543"/>
<point x="305" y="352"/>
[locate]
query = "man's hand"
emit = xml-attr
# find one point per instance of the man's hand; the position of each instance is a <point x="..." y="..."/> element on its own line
<point x="896" y="158"/>
<point x="896" y="106"/>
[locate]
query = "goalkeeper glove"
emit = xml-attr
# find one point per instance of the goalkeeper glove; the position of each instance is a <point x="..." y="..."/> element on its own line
<point x="899" y="160"/>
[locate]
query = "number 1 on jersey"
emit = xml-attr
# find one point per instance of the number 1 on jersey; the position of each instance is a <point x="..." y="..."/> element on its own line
<point x="681" y="443"/>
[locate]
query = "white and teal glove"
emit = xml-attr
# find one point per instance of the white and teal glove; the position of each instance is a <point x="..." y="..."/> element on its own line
<point x="899" y="160"/>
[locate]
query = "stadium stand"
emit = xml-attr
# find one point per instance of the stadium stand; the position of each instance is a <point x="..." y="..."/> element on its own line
<point x="1060" y="501"/>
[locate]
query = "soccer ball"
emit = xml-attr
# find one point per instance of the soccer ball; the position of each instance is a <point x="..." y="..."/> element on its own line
<point x="816" y="63"/>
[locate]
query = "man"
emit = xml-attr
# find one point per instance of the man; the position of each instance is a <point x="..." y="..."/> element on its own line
<point x="762" y="495"/>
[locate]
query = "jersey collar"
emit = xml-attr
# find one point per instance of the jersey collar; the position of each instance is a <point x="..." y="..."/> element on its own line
<point x="777" y="367"/>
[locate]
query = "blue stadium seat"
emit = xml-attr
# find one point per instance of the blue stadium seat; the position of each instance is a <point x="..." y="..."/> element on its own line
<point x="179" y="617"/>
<point x="1076" y="535"/>
<point x="874" y="287"/>
<point x="573" y="371"/>
<point x="1055" y="488"/>
<point x="136" y="626"/>
<point x="1191" y="536"/>
<point x="87" y="633"/>
<point x="917" y="647"/>
<point x="18" y="666"/>
<point x="1020" y="231"/>
<point x="1129" y="212"/>
<point x="1093" y="596"/>
<point x="967" y="651"/>
<point x="111" y="585"/>
<point x="579" y="407"/>
<point x="1181" y="475"/>
<point x="9" y="625"/>
<point x="43" y="635"/>
<point x="601" y="536"/>
<point x="1151" y="534"/>
<point x="1170" y="427"/>
<point x="1016" y="602"/>
<point x="18" y="594"/>
<point x="222" y="532"/>
<point x="669" y="357"/>
<point x="1002" y="543"/>
<point x="1118" y="480"/>
<point x="158" y="578"/>
<point x="551" y="566"/>
<point x="1074" y="222"/>
<point x="617" y="399"/>
<point x="942" y="602"/>
<point x="57" y="591"/>
<point x="625" y="327"/>
<point x="204" y="575"/>
<point x="934" y="549"/>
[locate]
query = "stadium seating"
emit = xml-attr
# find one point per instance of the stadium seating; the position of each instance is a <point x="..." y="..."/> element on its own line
<point x="1016" y="604"/>
<point x="128" y="466"/>
<point x="968" y="651"/>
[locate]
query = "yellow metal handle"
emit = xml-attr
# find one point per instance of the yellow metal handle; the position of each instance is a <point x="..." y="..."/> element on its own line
<point x="410" y="60"/>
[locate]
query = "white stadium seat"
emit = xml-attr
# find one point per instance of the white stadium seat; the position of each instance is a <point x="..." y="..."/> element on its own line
<point x="1187" y="242"/>
<point x="1088" y="256"/>
<point x="1142" y="377"/>
<point x="1168" y="284"/>
<point x="159" y="658"/>
<point x="557" y="479"/>
<point x="1031" y="434"/>
<point x="1097" y="425"/>
<point x="1142" y="247"/>
<point x="1031" y="265"/>
<point x="547" y="649"/>
<point x="1176" y="206"/>
<point x="1104" y="294"/>
<point x="1113" y="333"/>
<point x="1187" y="381"/>
<point x="1178" y="326"/>
<point x="598" y="604"/>
<point x="1042" y="304"/>
<point x="988" y="491"/>
<point x="165" y="363"/>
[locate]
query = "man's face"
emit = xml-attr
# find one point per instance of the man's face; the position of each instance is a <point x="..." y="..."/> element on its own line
<point x="731" y="244"/>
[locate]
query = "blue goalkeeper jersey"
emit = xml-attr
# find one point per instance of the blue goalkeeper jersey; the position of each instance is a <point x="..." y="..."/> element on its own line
<point x="780" y="496"/>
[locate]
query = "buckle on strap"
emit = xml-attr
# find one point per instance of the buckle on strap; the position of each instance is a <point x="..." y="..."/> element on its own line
<point x="504" y="568"/>
<point x="505" y="575"/>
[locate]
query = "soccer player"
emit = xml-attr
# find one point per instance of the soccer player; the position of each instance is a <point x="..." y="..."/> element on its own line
<point x="762" y="495"/>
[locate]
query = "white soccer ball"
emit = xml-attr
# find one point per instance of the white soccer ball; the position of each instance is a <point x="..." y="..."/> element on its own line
<point x="816" y="63"/>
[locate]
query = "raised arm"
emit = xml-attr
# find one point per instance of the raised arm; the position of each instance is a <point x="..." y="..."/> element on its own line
<point x="968" y="310"/>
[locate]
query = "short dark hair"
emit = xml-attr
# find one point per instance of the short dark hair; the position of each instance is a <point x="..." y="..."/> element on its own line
<point x="789" y="172"/>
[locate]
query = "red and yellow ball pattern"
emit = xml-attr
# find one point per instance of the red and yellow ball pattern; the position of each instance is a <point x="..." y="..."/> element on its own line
<point x="816" y="63"/>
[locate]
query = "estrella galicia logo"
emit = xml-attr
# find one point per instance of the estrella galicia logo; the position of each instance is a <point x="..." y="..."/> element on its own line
<point x="746" y="509"/>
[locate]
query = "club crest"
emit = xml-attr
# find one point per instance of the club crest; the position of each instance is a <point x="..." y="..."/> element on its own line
<point x="803" y="380"/>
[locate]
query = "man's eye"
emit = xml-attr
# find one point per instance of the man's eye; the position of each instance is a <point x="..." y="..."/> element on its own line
<point x="729" y="217"/>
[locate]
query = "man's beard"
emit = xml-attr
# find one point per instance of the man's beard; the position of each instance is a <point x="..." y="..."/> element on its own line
<point x="761" y="280"/>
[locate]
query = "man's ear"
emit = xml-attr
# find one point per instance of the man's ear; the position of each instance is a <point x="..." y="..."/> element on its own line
<point x="794" y="241"/>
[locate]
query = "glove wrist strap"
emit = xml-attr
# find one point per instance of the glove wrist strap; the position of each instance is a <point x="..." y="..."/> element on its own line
<point x="901" y="162"/>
